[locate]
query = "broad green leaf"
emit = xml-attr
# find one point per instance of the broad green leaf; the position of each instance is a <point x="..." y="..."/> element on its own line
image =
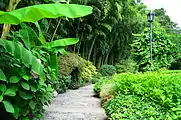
<point x="32" y="104"/>
<point x="16" y="111"/>
<point x="62" y="51"/>
<point x="10" y="92"/>
<point x="3" y="87"/>
<point x="25" y="86"/>
<point x="24" y="118"/>
<point x="8" y="106"/>
<point x="37" y="12"/>
<point x="25" y="95"/>
<point x="25" y="37"/>
<point x="61" y="43"/>
<point x="26" y="77"/>
<point x="41" y="37"/>
<point x="2" y="76"/>
<point x="20" y="53"/>
<point x="1" y="98"/>
<point x="33" y="37"/>
<point x="33" y="89"/>
<point x="176" y="109"/>
<point x="54" y="63"/>
<point x="14" y="79"/>
<point x="24" y="112"/>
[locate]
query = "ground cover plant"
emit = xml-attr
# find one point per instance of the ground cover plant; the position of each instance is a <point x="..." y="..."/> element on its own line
<point x="158" y="93"/>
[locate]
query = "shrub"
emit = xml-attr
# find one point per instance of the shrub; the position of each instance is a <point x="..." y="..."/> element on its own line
<point x="76" y="84"/>
<point x="80" y="70"/>
<point x="96" y="78"/>
<point x="88" y="71"/>
<point x="97" y="86"/>
<point x="107" y="92"/>
<point x="107" y="70"/>
<point x="133" y="107"/>
<point x="22" y="93"/>
<point x="162" y="88"/>
<point x="62" y="84"/>
<point x="68" y="63"/>
<point x="102" y="81"/>
<point x="176" y="65"/>
<point x="126" y="66"/>
<point x="162" y="49"/>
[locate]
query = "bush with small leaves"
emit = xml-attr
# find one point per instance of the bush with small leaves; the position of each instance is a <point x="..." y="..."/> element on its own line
<point x="62" y="84"/>
<point x="22" y="94"/>
<point x="126" y="66"/>
<point x="107" y="70"/>
<point x="149" y="95"/>
<point x="80" y="70"/>
<point x="133" y="107"/>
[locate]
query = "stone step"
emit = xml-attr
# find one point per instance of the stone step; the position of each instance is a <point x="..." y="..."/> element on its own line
<point x="74" y="116"/>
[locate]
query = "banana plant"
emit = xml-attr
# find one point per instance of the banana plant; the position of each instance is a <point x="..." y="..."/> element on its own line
<point x="38" y="12"/>
<point x="22" y="53"/>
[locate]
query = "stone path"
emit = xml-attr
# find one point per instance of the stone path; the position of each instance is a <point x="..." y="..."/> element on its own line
<point x="76" y="105"/>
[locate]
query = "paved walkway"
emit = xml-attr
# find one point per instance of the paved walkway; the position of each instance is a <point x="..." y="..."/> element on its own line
<point x="76" y="105"/>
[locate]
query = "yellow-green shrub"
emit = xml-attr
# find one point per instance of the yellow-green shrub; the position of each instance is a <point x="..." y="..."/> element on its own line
<point x="107" y="92"/>
<point x="73" y="65"/>
<point x="69" y="62"/>
<point x="88" y="70"/>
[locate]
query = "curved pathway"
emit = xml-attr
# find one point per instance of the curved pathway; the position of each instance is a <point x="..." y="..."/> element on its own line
<point x="76" y="105"/>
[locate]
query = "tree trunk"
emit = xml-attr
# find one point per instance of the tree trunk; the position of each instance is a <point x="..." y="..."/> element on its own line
<point x="94" y="57"/>
<point x="80" y="42"/>
<point x="106" y="59"/>
<point x="91" y="48"/>
<point x="111" y="61"/>
<point x="99" y="62"/>
<point x="58" y="24"/>
<point x="6" y="27"/>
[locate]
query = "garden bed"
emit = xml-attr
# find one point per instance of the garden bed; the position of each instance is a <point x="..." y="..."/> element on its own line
<point x="152" y="95"/>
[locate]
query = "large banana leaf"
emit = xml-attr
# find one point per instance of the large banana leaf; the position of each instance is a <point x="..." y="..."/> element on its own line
<point x="20" y="53"/>
<point x="58" y="46"/>
<point x="37" y="12"/>
<point x="60" y="43"/>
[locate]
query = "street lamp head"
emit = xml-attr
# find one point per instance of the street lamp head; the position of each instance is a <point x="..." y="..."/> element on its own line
<point x="151" y="16"/>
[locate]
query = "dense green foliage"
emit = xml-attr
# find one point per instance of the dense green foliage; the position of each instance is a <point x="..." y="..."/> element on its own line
<point x="162" y="50"/>
<point x="28" y="63"/>
<point x="82" y="71"/>
<point x="105" y="37"/>
<point x="126" y="66"/>
<point x="157" y="91"/>
<point x="108" y="30"/>
<point x="22" y="94"/>
<point x="62" y="84"/>
<point x="37" y="12"/>
<point x="102" y="33"/>
<point x="107" y="70"/>
<point x="176" y="64"/>
<point x="176" y="52"/>
<point x="132" y="107"/>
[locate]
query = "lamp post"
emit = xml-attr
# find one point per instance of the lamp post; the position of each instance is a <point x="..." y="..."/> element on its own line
<point x="150" y="20"/>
